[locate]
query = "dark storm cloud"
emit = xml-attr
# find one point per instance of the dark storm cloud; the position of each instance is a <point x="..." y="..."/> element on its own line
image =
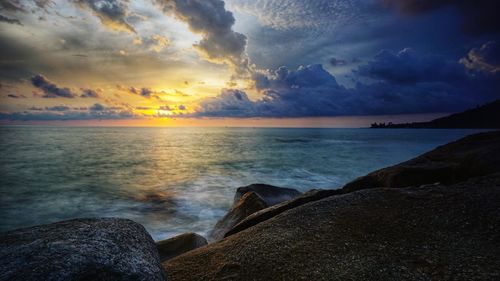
<point x="407" y="66"/>
<point x="337" y="62"/>
<point x="112" y="13"/>
<point x="230" y="103"/>
<point x="219" y="43"/>
<point x="89" y="93"/>
<point x="50" y="89"/>
<point x="480" y="16"/>
<point x="400" y="83"/>
<point x="9" y="20"/>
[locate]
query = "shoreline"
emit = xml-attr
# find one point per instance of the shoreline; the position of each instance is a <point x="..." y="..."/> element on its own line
<point x="380" y="220"/>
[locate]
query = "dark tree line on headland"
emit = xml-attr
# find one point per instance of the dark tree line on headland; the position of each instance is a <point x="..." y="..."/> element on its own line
<point x="482" y="117"/>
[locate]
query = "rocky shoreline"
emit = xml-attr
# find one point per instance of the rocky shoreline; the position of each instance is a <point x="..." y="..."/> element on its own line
<point x="435" y="217"/>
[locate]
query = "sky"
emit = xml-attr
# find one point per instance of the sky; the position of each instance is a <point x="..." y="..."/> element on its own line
<point x="247" y="62"/>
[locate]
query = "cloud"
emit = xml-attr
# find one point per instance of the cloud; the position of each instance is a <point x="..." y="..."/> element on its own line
<point x="485" y="59"/>
<point x="479" y="17"/>
<point x="58" y="108"/>
<point x="160" y="42"/>
<point x="16" y="96"/>
<point x="209" y="18"/>
<point x="97" y="107"/>
<point x="43" y="4"/>
<point x="337" y="62"/>
<point x="12" y="5"/>
<point x="89" y="93"/>
<point x="407" y="66"/>
<point x="50" y="89"/>
<point x="62" y="112"/>
<point x="9" y="20"/>
<point x="112" y="13"/>
<point x="230" y="103"/>
<point x="401" y="82"/>
<point x="143" y="92"/>
<point x="298" y="14"/>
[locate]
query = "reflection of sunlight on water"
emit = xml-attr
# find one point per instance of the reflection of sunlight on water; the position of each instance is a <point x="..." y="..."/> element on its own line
<point x="179" y="180"/>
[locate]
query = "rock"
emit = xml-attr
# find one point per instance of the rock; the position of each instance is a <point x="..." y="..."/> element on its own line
<point x="267" y="213"/>
<point x="472" y="156"/>
<point x="245" y="206"/>
<point x="81" y="249"/>
<point x="180" y="244"/>
<point x="272" y="195"/>
<point x="435" y="232"/>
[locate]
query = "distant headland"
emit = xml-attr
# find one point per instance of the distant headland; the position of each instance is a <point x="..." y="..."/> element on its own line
<point x="482" y="117"/>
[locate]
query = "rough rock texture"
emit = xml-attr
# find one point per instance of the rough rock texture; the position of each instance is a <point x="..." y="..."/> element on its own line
<point x="417" y="233"/>
<point x="272" y="195"/>
<point x="472" y="156"/>
<point x="180" y="244"/>
<point x="245" y="206"/>
<point x="81" y="249"/>
<point x="267" y="213"/>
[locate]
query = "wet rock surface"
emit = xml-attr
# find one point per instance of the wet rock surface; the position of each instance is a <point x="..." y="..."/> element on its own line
<point x="81" y="249"/>
<point x="179" y="244"/>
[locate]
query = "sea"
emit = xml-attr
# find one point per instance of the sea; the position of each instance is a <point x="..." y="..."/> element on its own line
<point x="176" y="180"/>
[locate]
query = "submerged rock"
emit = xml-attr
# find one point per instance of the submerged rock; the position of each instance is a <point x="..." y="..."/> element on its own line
<point x="272" y="195"/>
<point x="81" y="249"/>
<point x="179" y="245"/>
<point x="472" y="156"/>
<point x="417" y="233"/>
<point x="248" y="204"/>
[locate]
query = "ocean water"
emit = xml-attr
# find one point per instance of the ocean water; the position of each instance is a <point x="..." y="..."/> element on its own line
<point x="175" y="180"/>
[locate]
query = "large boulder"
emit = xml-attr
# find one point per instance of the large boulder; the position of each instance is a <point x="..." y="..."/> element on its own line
<point x="81" y="249"/>
<point x="179" y="244"/>
<point x="267" y="213"/>
<point x="432" y="232"/>
<point x="472" y="156"/>
<point x="272" y="195"/>
<point x="248" y="204"/>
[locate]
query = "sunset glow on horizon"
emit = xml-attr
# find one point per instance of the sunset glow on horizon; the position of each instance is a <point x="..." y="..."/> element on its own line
<point x="172" y="62"/>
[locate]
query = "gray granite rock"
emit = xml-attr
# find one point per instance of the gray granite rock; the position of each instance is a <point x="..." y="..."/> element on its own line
<point x="267" y="213"/>
<point x="272" y="195"/>
<point x="179" y="245"/>
<point x="419" y="233"/>
<point x="80" y="249"/>
<point x="248" y="204"/>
